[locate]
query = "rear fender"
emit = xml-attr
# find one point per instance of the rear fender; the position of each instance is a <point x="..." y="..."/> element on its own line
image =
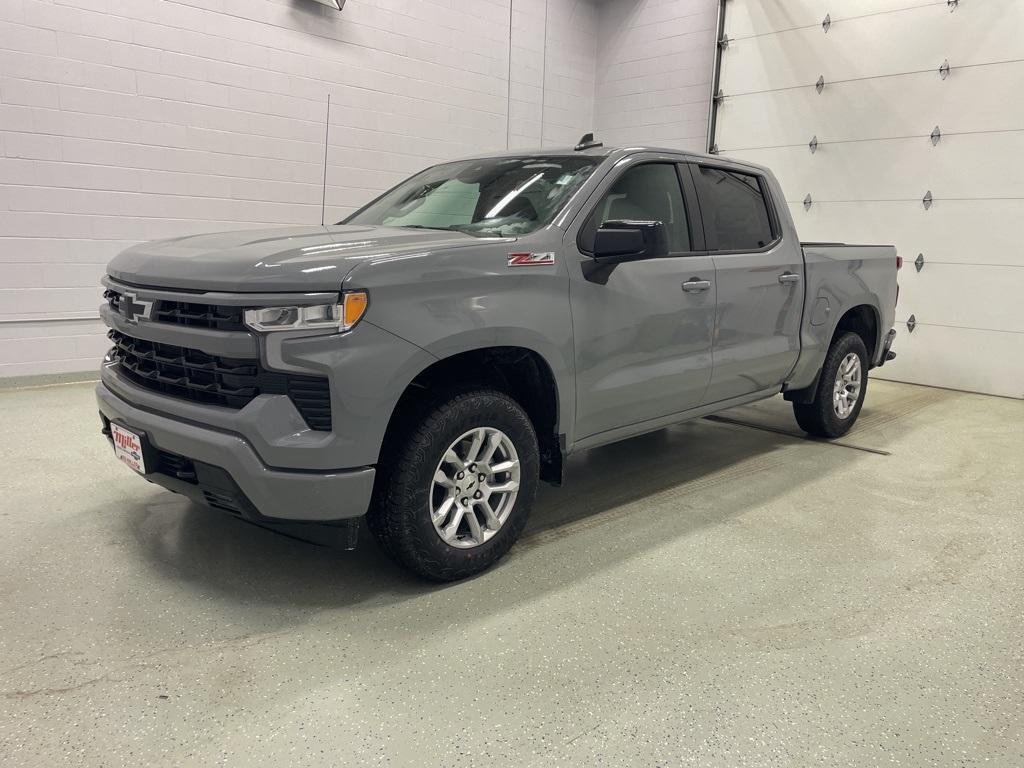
<point x="839" y="278"/>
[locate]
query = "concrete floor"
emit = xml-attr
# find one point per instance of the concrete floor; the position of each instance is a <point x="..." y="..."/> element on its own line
<point x="711" y="594"/>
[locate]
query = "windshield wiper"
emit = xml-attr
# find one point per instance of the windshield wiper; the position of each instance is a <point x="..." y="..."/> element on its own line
<point x="473" y="232"/>
<point x="450" y="228"/>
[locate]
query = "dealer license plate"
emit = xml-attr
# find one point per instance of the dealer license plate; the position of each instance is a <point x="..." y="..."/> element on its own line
<point x="128" y="447"/>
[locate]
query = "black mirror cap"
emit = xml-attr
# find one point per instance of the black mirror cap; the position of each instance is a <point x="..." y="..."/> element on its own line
<point x="630" y="241"/>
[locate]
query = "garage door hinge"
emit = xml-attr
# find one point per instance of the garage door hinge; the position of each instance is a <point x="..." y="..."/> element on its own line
<point x="807" y="202"/>
<point x="719" y="96"/>
<point x="926" y="201"/>
<point x="820" y="85"/>
<point x="813" y="144"/>
<point x="911" y="324"/>
<point x="826" y="22"/>
<point x="936" y="135"/>
<point x="919" y="262"/>
<point x="953" y="5"/>
<point x="714" y="149"/>
<point x="724" y="42"/>
<point x="944" y="69"/>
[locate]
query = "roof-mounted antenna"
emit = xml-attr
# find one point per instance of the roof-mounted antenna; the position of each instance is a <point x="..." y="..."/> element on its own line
<point x="587" y="142"/>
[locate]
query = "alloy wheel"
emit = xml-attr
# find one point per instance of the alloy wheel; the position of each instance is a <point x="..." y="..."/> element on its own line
<point x="474" y="487"/>
<point x="846" y="390"/>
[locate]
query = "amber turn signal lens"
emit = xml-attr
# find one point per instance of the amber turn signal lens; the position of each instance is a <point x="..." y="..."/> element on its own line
<point x="354" y="305"/>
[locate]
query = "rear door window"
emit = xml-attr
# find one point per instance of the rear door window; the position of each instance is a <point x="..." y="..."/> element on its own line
<point x="735" y="209"/>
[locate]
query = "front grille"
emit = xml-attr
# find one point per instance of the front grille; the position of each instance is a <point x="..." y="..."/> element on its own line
<point x="187" y="373"/>
<point x="191" y="374"/>
<point x="199" y="315"/>
<point x="215" y="316"/>
<point x="113" y="298"/>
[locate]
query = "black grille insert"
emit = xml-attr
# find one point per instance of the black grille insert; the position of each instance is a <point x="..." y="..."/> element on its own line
<point x="194" y="375"/>
<point x="113" y="298"/>
<point x="200" y="315"/>
<point x="215" y="316"/>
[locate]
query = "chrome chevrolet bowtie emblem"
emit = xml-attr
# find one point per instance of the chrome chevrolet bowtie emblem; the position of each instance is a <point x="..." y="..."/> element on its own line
<point x="134" y="309"/>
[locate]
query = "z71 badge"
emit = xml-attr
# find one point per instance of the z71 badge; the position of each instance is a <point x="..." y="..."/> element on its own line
<point x="545" y="259"/>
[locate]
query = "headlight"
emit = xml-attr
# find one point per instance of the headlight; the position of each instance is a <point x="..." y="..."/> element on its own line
<point x="340" y="317"/>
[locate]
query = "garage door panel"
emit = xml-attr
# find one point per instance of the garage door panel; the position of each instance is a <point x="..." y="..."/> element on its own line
<point x="874" y="46"/>
<point x="874" y="160"/>
<point x="958" y="358"/>
<point x="953" y="231"/>
<point x="954" y="294"/>
<point x="973" y="99"/>
<point x="853" y="222"/>
<point x="753" y="17"/>
<point x="902" y="169"/>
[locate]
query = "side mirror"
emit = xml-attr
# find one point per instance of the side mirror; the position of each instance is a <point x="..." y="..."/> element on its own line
<point x="630" y="241"/>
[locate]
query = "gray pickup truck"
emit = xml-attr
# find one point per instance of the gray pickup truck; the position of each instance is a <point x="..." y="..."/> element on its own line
<point x="427" y="361"/>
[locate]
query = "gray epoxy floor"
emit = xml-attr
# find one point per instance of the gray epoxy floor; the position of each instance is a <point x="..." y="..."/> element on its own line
<point x="711" y="594"/>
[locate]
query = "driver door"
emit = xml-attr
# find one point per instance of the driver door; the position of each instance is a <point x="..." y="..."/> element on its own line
<point x="642" y="339"/>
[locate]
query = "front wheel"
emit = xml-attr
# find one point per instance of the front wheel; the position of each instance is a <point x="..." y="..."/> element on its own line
<point x="841" y="389"/>
<point x="454" y="496"/>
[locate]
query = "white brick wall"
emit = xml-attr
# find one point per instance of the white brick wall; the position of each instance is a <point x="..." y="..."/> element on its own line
<point x="654" y="68"/>
<point x="553" y="71"/>
<point x="569" y="74"/>
<point x="129" y="120"/>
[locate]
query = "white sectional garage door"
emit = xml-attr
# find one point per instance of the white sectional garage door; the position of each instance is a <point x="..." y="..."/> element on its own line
<point x="884" y="92"/>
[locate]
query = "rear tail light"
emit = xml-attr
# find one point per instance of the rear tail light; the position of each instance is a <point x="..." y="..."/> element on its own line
<point x="899" y="266"/>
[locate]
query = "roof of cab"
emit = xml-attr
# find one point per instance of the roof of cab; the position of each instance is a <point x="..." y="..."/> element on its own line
<point x="604" y="152"/>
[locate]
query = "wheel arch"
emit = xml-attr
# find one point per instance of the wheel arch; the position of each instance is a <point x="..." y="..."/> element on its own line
<point x="521" y="372"/>
<point x="861" y="317"/>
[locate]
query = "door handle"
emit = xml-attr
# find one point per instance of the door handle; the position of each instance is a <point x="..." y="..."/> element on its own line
<point x="789" y="277"/>
<point x="696" y="286"/>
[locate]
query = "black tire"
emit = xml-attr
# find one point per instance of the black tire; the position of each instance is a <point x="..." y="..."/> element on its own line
<point x="819" y="417"/>
<point x="399" y="515"/>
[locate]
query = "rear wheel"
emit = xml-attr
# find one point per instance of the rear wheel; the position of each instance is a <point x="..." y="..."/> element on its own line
<point x="453" y="497"/>
<point x="840" y="392"/>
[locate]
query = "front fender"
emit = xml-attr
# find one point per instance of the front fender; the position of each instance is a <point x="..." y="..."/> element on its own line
<point x="470" y="299"/>
<point x="369" y="369"/>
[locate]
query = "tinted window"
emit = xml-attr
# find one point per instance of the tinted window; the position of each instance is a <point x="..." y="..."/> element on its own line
<point x="647" y="192"/>
<point x="491" y="196"/>
<point x="734" y="209"/>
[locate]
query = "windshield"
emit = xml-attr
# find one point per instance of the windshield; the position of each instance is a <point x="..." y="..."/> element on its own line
<point x="493" y="196"/>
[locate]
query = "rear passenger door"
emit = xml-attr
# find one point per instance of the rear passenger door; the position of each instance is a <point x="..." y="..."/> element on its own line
<point x="759" y="279"/>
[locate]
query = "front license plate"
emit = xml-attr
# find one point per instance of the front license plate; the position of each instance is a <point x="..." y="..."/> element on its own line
<point x="128" y="447"/>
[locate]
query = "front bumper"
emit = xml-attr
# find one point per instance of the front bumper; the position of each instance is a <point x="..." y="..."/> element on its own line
<point x="227" y="467"/>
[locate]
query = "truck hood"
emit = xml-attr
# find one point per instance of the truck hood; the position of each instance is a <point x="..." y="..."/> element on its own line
<point x="287" y="259"/>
